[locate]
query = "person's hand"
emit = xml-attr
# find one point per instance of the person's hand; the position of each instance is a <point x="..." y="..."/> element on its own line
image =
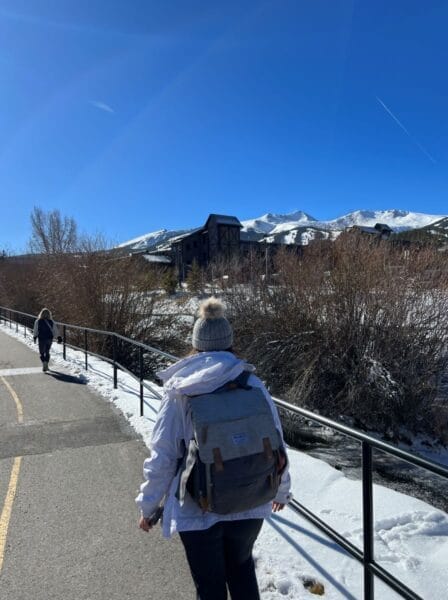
<point x="276" y="506"/>
<point x="145" y="523"/>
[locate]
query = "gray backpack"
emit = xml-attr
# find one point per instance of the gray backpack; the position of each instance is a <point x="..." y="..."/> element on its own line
<point x="235" y="460"/>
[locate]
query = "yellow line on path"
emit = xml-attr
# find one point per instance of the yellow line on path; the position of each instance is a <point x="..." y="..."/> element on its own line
<point x="16" y="399"/>
<point x="12" y="487"/>
<point x="7" y="508"/>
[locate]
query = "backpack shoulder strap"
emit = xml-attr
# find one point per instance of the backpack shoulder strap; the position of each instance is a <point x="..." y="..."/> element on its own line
<point x="238" y="382"/>
<point x="50" y="327"/>
<point x="242" y="379"/>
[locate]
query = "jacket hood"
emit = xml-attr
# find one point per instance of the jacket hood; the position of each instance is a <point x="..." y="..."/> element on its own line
<point x="202" y="373"/>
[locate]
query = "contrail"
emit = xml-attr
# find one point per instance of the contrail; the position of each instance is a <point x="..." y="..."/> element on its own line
<point x="102" y="106"/>
<point x="400" y="124"/>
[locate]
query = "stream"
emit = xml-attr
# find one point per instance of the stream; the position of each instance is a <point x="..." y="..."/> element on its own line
<point x="344" y="454"/>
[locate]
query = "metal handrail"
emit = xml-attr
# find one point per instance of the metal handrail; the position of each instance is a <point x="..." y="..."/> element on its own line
<point x="365" y="556"/>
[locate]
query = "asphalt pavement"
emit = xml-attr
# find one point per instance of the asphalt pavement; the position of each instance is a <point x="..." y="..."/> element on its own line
<point x="70" y="468"/>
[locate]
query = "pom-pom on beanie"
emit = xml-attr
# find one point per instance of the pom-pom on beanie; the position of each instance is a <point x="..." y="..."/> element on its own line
<point x="212" y="331"/>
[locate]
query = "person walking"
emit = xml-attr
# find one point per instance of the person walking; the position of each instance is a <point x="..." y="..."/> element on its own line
<point x="45" y="329"/>
<point x="218" y="547"/>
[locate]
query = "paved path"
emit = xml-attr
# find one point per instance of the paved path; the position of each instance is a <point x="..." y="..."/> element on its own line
<point x="70" y="468"/>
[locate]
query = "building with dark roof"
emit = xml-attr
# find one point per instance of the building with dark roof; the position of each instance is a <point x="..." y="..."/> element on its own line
<point x="218" y="239"/>
<point x="380" y="230"/>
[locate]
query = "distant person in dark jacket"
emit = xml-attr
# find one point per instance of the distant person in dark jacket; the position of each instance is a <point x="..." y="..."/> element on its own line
<point x="45" y="330"/>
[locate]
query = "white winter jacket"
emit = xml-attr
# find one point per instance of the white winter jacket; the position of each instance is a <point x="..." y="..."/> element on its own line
<point x="198" y="374"/>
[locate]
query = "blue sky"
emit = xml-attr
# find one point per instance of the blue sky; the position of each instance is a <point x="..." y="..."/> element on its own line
<point x="137" y="115"/>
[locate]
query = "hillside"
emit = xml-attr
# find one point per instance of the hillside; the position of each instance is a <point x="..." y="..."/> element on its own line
<point x="434" y="233"/>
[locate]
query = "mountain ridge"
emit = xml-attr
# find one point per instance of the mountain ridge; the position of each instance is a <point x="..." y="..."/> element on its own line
<point x="299" y="227"/>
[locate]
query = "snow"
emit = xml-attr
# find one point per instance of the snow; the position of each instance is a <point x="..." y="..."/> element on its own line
<point x="302" y="236"/>
<point x="154" y="258"/>
<point x="271" y="223"/>
<point x="144" y="239"/>
<point x="152" y="240"/>
<point x="397" y="219"/>
<point x="411" y="537"/>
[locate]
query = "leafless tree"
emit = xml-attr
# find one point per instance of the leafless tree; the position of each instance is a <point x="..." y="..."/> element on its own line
<point x="51" y="233"/>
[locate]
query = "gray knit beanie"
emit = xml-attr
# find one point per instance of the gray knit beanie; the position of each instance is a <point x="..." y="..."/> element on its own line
<point x="212" y="331"/>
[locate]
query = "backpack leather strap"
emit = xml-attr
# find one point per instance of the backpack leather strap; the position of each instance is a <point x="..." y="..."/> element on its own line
<point x="217" y="459"/>
<point x="242" y="380"/>
<point x="267" y="447"/>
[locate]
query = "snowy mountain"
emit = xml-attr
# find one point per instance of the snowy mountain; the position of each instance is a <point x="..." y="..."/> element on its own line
<point x="300" y="235"/>
<point x="299" y="227"/>
<point x="267" y="223"/>
<point x="151" y="240"/>
<point x="398" y="220"/>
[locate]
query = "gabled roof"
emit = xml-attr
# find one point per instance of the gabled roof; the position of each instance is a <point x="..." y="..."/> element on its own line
<point x="223" y="220"/>
<point x="184" y="236"/>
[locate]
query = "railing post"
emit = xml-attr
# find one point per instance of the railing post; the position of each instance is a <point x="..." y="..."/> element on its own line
<point x="85" y="348"/>
<point x="17" y="326"/>
<point x="114" y="346"/>
<point x="10" y="319"/>
<point x="140" y="355"/>
<point x="64" y="341"/>
<point x="367" y="517"/>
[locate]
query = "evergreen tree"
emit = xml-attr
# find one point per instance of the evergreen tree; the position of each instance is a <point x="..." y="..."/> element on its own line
<point x="169" y="281"/>
<point x="194" y="278"/>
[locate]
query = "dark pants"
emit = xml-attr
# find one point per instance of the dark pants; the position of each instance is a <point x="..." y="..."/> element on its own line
<point x="222" y="555"/>
<point x="44" y="349"/>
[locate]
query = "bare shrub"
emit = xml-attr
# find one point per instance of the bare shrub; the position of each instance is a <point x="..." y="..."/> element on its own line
<point x="97" y="289"/>
<point x="356" y="328"/>
<point x="91" y="286"/>
<point x="17" y="289"/>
